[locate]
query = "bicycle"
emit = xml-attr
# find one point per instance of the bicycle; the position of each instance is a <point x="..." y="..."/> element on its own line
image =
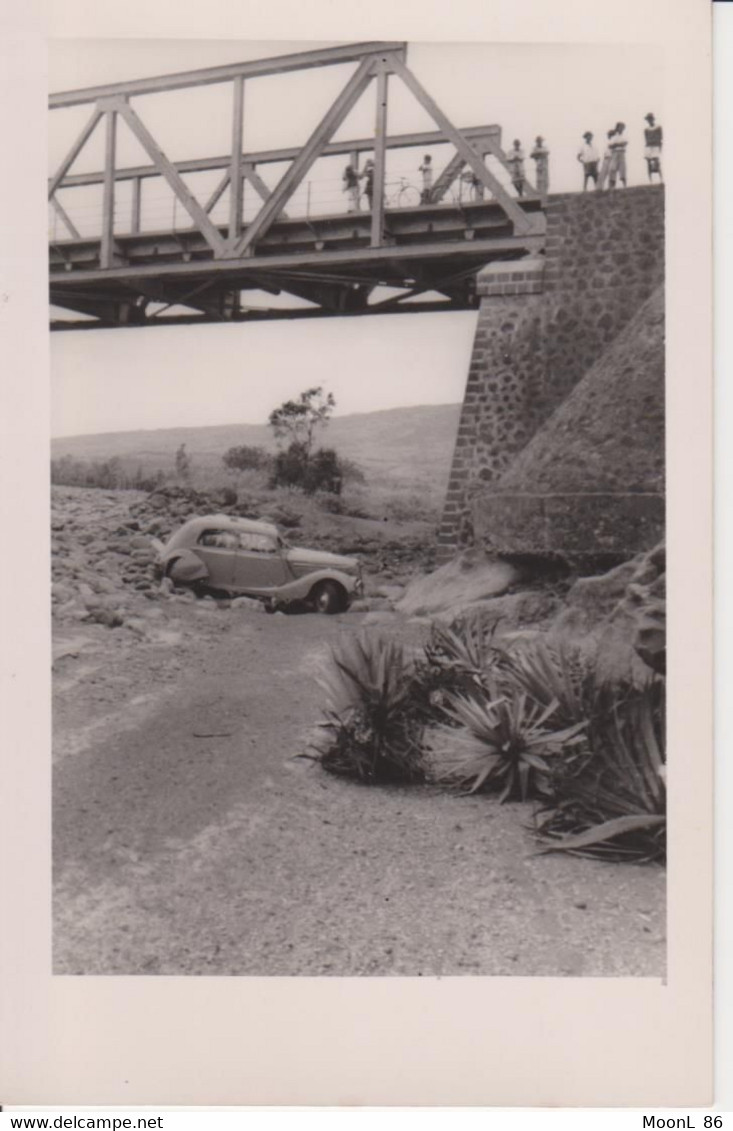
<point x="401" y="194"/>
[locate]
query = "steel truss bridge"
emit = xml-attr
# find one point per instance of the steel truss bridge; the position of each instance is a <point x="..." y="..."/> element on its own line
<point x="126" y="272"/>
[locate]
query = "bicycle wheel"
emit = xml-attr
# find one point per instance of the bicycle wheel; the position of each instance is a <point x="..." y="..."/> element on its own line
<point x="409" y="197"/>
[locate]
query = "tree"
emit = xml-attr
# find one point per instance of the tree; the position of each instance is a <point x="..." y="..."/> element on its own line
<point x="298" y="420"/>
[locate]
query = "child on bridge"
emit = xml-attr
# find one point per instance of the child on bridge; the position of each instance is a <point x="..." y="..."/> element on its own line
<point x="588" y="157"/>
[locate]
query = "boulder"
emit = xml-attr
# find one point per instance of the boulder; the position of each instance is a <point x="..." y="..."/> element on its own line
<point x="380" y="617"/>
<point x="534" y="608"/>
<point x="468" y="578"/>
<point x="621" y="615"/>
<point x="247" y="603"/>
<point x="391" y="592"/>
<point x="137" y="625"/>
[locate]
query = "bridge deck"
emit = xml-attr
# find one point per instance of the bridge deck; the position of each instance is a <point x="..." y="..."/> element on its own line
<point x="327" y="260"/>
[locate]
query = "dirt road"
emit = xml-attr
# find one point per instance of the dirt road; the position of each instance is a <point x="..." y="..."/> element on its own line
<point x="188" y="840"/>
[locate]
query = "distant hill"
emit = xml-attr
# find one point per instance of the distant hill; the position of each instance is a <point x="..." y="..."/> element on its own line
<point x="407" y="445"/>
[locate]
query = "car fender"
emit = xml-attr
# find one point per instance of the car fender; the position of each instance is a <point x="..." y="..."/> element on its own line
<point x="185" y="566"/>
<point x="299" y="589"/>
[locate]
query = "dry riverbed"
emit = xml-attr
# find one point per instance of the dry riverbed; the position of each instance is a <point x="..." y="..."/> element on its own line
<point x="188" y="839"/>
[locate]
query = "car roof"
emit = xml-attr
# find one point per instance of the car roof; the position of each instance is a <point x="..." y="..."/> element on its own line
<point x="231" y="522"/>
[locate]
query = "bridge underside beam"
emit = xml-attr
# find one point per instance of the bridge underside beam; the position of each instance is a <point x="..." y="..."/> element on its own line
<point x="335" y="282"/>
<point x="258" y="315"/>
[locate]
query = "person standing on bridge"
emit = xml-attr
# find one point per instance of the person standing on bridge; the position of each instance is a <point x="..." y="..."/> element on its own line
<point x="541" y="157"/>
<point x="515" y="160"/>
<point x="619" y="141"/>
<point x="368" y="176"/>
<point x="653" y="147"/>
<point x="606" y="166"/>
<point x="351" y="186"/>
<point x="427" y="178"/>
<point x="588" y="157"/>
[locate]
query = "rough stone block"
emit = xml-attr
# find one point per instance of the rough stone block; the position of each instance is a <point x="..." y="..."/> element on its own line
<point x="570" y="525"/>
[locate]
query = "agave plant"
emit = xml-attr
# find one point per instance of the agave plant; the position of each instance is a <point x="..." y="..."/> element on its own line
<point x="372" y="727"/>
<point x="511" y="744"/>
<point x="552" y="673"/>
<point x="457" y="661"/>
<point x="614" y="807"/>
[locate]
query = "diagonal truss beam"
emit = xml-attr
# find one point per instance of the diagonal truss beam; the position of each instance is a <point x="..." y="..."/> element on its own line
<point x="510" y="206"/>
<point x="446" y="178"/>
<point x="159" y="159"/>
<point x="254" y="178"/>
<point x="64" y="218"/>
<point x="290" y="180"/>
<point x="172" y="296"/>
<point x="74" y="152"/>
<point x="217" y="193"/>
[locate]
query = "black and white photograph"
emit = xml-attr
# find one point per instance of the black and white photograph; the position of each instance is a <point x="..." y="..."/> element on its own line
<point x="359" y="620"/>
<point x="369" y="432"/>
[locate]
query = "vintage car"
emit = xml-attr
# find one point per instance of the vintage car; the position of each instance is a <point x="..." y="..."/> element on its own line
<point x="239" y="556"/>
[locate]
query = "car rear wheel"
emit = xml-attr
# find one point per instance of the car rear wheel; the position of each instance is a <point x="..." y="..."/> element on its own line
<point x="328" y="597"/>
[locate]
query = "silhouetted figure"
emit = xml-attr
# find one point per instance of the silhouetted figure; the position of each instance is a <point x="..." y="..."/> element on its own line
<point x="474" y="186"/>
<point x="541" y="157"/>
<point x="607" y="163"/>
<point x="368" y="176"/>
<point x="351" y="186"/>
<point x="653" y="147"/>
<point x="588" y="157"/>
<point x="515" y="160"/>
<point x="619" y="141"/>
<point x="427" y="178"/>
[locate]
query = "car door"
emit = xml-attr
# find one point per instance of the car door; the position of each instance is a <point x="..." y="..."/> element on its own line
<point x="217" y="549"/>
<point x="259" y="565"/>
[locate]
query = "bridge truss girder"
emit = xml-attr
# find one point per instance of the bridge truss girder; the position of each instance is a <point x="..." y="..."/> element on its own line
<point x="115" y="277"/>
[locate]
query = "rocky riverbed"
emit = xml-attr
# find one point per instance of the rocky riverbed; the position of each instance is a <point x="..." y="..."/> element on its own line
<point x="188" y="839"/>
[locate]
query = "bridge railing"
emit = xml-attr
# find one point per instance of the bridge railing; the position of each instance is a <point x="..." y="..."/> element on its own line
<point x="153" y="206"/>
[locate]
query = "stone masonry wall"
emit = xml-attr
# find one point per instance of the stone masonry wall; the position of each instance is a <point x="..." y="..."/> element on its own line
<point x="542" y="323"/>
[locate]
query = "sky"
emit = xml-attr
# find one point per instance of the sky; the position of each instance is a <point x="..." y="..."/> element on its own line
<point x="116" y="380"/>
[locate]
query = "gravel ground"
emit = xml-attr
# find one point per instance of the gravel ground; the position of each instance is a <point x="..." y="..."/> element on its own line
<point x="188" y="840"/>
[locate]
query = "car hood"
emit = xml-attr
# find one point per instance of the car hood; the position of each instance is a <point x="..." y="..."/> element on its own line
<point x="320" y="559"/>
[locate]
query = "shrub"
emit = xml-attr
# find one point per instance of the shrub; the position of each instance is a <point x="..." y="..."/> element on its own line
<point x="351" y="472"/>
<point x="552" y="673"/>
<point x="528" y="719"/>
<point x="309" y="471"/>
<point x="247" y="457"/>
<point x="613" y="806"/>
<point x="108" y="475"/>
<point x="456" y="661"/>
<point x="289" y="467"/>
<point x="513" y="742"/>
<point x="183" y="464"/>
<point x="323" y="473"/>
<point x="372" y="730"/>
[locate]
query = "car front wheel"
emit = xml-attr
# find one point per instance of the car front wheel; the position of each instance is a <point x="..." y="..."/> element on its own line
<point x="328" y="597"/>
